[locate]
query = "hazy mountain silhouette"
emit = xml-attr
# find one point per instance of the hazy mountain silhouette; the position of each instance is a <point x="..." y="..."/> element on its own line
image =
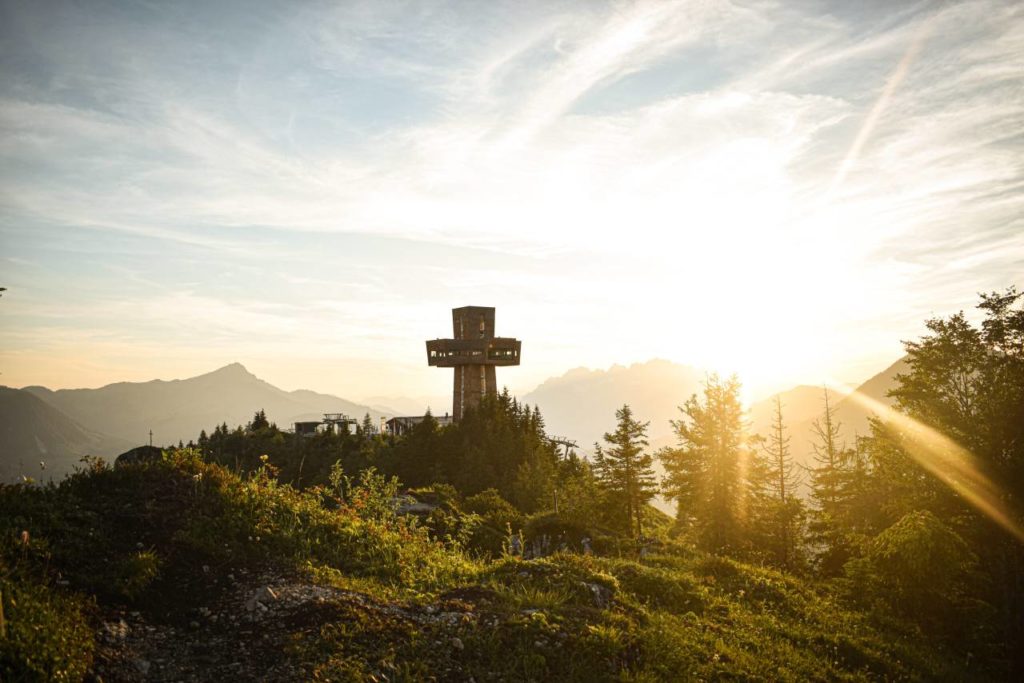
<point x="800" y="404"/>
<point x="581" y="404"/>
<point x="804" y="404"/>
<point x="32" y="431"/>
<point x="178" y="409"/>
<point x="405" y="405"/>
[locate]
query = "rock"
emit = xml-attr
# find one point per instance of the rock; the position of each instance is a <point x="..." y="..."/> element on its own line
<point x="116" y="631"/>
<point x="457" y="644"/>
<point x="193" y="625"/>
<point x="600" y="595"/>
<point x="142" y="665"/>
<point x="141" y="454"/>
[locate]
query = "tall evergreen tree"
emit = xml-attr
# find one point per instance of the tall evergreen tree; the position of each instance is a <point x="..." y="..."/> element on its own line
<point x="625" y="470"/>
<point x="827" y="491"/>
<point x="966" y="383"/>
<point x="781" y="512"/>
<point x="704" y="474"/>
<point x="259" y="421"/>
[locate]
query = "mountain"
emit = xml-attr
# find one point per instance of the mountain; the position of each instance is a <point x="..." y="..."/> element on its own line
<point x="179" y="409"/>
<point x="31" y="431"/>
<point x="404" y="405"/>
<point x="802" y="405"/>
<point x="581" y="404"/>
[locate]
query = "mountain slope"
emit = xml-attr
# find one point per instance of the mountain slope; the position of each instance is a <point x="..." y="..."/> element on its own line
<point x="32" y="431"/>
<point x="581" y="404"/>
<point x="179" y="409"/>
<point x="802" y="405"/>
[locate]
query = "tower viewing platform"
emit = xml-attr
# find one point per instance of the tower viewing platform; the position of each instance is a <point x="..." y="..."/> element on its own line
<point x="474" y="352"/>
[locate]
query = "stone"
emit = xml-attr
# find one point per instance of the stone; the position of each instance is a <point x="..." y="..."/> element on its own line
<point x="457" y="643"/>
<point x="141" y="454"/>
<point x="116" y="631"/>
<point x="600" y="595"/>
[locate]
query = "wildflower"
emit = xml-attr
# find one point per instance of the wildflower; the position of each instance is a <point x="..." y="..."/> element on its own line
<point x="264" y="458"/>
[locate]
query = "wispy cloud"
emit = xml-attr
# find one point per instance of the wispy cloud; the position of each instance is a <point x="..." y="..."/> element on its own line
<point x="581" y="157"/>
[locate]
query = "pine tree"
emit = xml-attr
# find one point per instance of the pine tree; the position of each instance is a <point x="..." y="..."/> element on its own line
<point x="704" y="472"/>
<point x="625" y="470"/>
<point x="828" y="492"/>
<point x="366" y="429"/>
<point x="259" y="421"/>
<point x="964" y="383"/>
<point x="781" y="511"/>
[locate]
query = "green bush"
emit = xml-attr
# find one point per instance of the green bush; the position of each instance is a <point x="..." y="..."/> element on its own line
<point x="660" y="588"/>
<point x="138" y="571"/>
<point x="46" y="635"/>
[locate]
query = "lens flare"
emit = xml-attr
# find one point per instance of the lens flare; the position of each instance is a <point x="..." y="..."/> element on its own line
<point x="946" y="460"/>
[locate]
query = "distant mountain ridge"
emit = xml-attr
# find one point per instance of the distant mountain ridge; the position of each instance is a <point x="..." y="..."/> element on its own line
<point x="581" y="403"/>
<point x="179" y="409"/>
<point x="802" y="405"/>
<point x="34" y="432"/>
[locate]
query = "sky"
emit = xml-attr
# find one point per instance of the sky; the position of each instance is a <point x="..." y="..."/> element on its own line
<point x="785" y="190"/>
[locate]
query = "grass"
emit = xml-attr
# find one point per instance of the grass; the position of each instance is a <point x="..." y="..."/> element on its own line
<point x="140" y="536"/>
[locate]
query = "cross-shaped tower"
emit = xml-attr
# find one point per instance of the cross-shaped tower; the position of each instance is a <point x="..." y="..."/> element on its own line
<point x="474" y="353"/>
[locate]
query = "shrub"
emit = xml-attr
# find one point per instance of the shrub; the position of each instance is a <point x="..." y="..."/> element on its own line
<point x="47" y="637"/>
<point x="918" y="568"/>
<point x="661" y="588"/>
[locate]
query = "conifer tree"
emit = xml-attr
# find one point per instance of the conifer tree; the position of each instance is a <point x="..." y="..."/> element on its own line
<point x="259" y="421"/>
<point x="703" y="472"/>
<point x="829" y="492"/>
<point x="366" y="428"/>
<point x="781" y="511"/>
<point x="625" y="470"/>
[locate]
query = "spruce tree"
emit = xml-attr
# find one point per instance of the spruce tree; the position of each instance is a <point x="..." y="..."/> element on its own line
<point x="625" y="470"/>
<point x="781" y="511"/>
<point x="704" y="474"/>
<point x="828" y="492"/>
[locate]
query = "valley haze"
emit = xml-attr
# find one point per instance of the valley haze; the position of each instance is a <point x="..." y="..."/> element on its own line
<point x="580" y="405"/>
